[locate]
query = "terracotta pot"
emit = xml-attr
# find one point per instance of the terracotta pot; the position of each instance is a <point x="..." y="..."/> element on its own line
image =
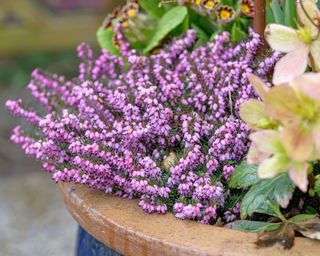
<point x="121" y="225"/>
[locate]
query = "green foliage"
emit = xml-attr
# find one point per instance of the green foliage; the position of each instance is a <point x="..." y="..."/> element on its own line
<point x="284" y="14"/>
<point x="105" y="40"/>
<point x="277" y="12"/>
<point x="201" y="22"/>
<point x="281" y="233"/>
<point x="316" y="189"/>
<point x="276" y="190"/>
<point x="182" y="28"/>
<point x="201" y="35"/>
<point x="302" y="218"/>
<point x="147" y="30"/>
<point x="258" y="226"/>
<point x="271" y="209"/>
<point x="289" y="13"/>
<point x="244" y="176"/>
<point x="255" y="226"/>
<point x="169" y="21"/>
<point x="237" y="33"/>
<point x="264" y="195"/>
<point x="152" y="7"/>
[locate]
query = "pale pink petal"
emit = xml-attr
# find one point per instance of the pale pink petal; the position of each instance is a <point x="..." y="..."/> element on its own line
<point x="282" y="38"/>
<point x="291" y="66"/>
<point x="260" y="87"/>
<point x="315" y="53"/>
<point x="253" y="113"/>
<point x="282" y="103"/>
<point x="309" y="83"/>
<point x="298" y="142"/>
<point x="273" y="166"/>
<point x="299" y="175"/>
<point x="266" y="141"/>
<point x="255" y="156"/>
<point x="284" y="200"/>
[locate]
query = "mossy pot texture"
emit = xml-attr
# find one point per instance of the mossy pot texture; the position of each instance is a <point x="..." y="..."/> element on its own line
<point x="122" y="226"/>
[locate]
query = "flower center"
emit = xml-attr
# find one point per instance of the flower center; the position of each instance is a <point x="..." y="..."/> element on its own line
<point x="224" y="14"/>
<point x="245" y="8"/>
<point x="209" y="4"/>
<point x="132" y="12"/>
<point x="305" y="35"/>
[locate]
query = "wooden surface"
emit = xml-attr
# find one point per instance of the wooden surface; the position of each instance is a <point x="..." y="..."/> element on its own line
<point x="124" y="227"/>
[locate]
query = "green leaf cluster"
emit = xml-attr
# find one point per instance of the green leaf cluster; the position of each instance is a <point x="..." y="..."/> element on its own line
<point x="167" y="23"/>
<point x="264" y="195"/>
<point x="284" y="13"/>
<point x="169" y="20"/>
<point x="316" y="188"/>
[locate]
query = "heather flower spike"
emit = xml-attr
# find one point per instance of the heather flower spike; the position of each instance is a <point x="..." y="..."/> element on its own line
<point x="302" y="45"/>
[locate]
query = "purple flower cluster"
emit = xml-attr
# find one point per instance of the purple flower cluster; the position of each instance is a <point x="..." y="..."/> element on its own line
<point x="162" y="128"/>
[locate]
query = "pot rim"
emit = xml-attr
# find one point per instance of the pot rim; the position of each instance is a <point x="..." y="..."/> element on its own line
<point x="123" y="226"/>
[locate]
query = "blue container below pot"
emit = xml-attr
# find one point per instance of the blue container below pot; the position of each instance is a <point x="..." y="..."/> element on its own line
<point x="87" y="245"/>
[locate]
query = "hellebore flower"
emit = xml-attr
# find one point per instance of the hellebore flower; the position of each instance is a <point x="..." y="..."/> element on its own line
<point x="289" y="120"/>
<point x="267" y="150"/>
<point x="302" y="45"/>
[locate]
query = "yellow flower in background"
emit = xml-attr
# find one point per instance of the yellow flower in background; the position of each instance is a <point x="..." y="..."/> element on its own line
<point x="210" y="4"/>
<point x="247" y="7"/>
<point x="225" y="13"/>
<point x="132" y="12"/>
<point x="197" y="1"/>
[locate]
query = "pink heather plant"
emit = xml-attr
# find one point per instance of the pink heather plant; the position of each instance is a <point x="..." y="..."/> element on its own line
<point x="163" y="128"/>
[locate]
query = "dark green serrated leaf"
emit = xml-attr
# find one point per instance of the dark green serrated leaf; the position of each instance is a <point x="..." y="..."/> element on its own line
<point x="244" y="176"/>
<point x="302" y="217"/>
<point x="254" y="226"/>
<point x="152" y="7"/>
<point x="105" y="40"/>
<point x="169" y="21"/>
<point x="279" y="189"/>
<point x="277" y="12"/>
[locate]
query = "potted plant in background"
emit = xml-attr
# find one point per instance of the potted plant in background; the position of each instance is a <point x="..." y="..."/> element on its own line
<point x="178" y="111"/>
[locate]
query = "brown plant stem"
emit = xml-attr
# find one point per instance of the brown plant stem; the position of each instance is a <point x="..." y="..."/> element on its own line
<point x="259" y="19"/>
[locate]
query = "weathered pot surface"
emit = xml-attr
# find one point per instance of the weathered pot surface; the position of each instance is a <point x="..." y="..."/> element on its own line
<point x="124" y="227"/>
